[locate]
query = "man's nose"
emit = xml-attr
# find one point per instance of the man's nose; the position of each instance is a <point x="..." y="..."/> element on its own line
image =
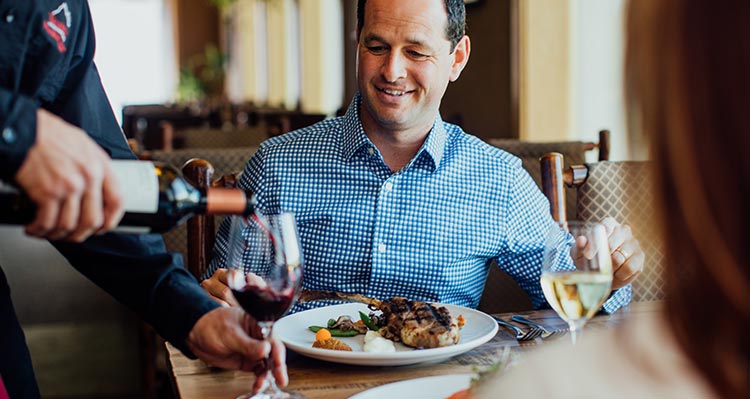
<point x="394" y="67"/>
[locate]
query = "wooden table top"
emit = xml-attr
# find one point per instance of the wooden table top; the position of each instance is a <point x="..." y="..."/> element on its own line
<point x="318" y="379"/>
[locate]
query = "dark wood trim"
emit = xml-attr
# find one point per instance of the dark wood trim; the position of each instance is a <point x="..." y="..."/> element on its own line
<point x="552" y="184"/>
<point x="350" y="51"/>
<point x="515" y="69"/>
<point x="200" y="228"/>
<point x="604" y="143"/>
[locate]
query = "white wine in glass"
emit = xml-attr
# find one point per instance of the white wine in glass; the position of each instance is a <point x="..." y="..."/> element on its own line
<point x="577" y="271"/>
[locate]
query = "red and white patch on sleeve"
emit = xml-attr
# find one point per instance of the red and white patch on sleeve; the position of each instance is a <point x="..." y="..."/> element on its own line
<point x="57" y="25"/>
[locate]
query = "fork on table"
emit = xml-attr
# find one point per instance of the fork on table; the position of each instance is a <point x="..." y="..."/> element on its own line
<point x="546" y="332"/>
<point x="521" y="335"/>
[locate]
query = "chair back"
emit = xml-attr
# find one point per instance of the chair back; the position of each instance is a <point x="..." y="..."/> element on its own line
<point x="223" y="160"/>
<point x="574" y="153"/>
<point x="502" y="293"/>
<point x="218" y="138"/>
<point x="195" y="239"/>
<point x="621" y="190"/>
<point x="201" y="229"/>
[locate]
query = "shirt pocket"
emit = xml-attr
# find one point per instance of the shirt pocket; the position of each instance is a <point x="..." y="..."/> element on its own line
<point x="316" y="232"/>
<point x="45" y="66"/>
<point x="313" y="225"/>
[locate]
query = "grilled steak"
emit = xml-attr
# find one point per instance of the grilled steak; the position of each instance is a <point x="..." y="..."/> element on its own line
<point x="415" y="323"/>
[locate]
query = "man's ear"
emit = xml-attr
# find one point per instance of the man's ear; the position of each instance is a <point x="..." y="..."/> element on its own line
<point x="460" y="57"/>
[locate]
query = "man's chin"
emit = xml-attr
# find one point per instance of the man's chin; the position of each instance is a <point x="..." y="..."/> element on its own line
<point x="392" y="122"/>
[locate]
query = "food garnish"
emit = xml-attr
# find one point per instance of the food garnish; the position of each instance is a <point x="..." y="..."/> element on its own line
<point x="505" y="361"/>
<point x="333" y="344"/>
<point x="374" y="342"/>
<point x="322" y="335"/>
<point x="366" y="320"/>
<point x="335" y="332"/>
<point x="415" y="323"/>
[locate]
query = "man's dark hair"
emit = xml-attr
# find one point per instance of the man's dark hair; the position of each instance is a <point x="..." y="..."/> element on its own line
<point x="455" y="30"/>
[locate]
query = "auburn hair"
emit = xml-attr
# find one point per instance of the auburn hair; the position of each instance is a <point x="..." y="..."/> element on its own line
<point x="688" y="89"/>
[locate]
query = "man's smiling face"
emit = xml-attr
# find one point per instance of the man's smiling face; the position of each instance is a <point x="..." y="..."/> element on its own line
<point x="404" y="63"/>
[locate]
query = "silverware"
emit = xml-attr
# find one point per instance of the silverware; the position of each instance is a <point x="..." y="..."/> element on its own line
<point x="521" y="335"/>
<point x="546" y="333"/>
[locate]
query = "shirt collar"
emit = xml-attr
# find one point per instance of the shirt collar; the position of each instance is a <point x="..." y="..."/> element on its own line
<point x="354" y="138"/>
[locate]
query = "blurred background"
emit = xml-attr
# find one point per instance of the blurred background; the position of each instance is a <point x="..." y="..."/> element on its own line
<point x="540" y="70"/>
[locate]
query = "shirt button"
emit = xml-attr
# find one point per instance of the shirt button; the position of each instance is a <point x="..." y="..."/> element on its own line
<point x="9" y="135"/>
<point x="371" y="151"/>
<point x="9" y="17"/>
<point x="388" y="186"/>
<point x="381" y="247"/>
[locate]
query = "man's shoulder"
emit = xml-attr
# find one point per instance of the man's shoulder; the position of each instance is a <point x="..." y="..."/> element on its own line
<point x="484" y="154"/>
<point x="318" y="135"/>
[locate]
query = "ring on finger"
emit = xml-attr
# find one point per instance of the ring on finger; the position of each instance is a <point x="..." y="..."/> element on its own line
<point x="621" y="252"/>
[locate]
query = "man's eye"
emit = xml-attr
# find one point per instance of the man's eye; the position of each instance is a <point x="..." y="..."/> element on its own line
<point x="376" y="49"/>
<point x="416" y="54"/>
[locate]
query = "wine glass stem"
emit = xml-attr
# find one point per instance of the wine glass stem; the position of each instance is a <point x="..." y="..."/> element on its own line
<point x="269" y="385"/>
<point x="576" y="330"/>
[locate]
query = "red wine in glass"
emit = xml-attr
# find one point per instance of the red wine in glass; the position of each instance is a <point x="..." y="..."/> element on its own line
<point x="263" y="303"/>
<point x="265" y="271"/>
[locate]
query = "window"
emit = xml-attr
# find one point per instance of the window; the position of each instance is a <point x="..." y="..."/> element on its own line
<point x="134" y="51"/>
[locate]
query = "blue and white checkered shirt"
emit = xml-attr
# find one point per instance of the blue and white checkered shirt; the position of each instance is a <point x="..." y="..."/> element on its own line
<point x="427" y="232"/>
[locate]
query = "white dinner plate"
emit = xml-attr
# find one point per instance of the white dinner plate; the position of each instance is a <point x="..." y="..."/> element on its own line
<point x="435" y="387"/>
<point x="293" y="331"/>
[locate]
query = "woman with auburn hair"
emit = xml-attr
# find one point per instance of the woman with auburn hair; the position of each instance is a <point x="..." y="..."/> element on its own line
<point x="688" y="87"/>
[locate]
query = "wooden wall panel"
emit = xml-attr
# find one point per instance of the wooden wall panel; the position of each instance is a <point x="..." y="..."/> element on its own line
<point x="481" y="99"/>
<point x="196" y="25"/>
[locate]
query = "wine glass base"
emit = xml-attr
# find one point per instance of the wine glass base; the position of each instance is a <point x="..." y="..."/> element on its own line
<point x="273" y="395"/>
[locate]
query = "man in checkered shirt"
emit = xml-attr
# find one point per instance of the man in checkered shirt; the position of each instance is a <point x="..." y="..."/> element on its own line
<point x="392" y="201"/>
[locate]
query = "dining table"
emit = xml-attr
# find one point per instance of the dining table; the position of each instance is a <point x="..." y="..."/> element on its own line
<point x="318" y="379"/>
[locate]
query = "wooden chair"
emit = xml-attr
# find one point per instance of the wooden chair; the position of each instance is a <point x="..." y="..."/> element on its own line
<point x="574" y="154"/>
<point x="205" y="138"/>
<point x="280" y="121"/>
<point x="201" y="229"/>
<point x="501" y="292"/>
<point x="200" y="173"/>
<point x="621" y="190"/>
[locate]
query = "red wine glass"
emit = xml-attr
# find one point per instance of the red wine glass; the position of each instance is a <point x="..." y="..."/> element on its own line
<point x="265" y="262"/>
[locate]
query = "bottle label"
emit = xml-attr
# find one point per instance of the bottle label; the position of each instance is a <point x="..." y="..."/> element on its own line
<point x="139" y="185"/>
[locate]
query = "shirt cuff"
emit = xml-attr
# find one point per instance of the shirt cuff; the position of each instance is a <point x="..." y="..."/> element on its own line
<point x="17" y="135"/>
<point x="179" y="304"/>
<point x="618" y="299"/>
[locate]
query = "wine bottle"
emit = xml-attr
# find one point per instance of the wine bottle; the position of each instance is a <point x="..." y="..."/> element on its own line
<point x="156" y="198"/>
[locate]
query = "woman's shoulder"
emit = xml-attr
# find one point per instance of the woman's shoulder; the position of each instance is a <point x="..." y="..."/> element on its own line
<point x="640" y="359"/>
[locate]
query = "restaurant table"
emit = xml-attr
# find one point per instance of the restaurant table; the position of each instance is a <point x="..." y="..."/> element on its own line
<point x="318" y="379"/>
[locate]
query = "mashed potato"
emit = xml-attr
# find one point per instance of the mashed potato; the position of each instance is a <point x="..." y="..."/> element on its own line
<point x="374" y="342"/>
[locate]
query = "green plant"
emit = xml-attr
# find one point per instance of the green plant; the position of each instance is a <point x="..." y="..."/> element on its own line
<point x="222" y="4"/>
<point x="203" y="76"/>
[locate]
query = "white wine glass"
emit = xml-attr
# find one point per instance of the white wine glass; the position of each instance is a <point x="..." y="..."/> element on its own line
<point x="576" y="271"/>
<point x="265" y="272"/>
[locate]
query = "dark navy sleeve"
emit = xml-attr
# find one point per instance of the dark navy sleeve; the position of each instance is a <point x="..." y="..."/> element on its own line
<point x="137" y="271"/>
<point x="17" y="131"/>
<point x="17" y="106"/>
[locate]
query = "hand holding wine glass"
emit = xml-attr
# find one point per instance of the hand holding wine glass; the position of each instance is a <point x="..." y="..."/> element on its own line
<point x="220" y="338"/>
<point x="577" y="271"/>
<point x="265" y="272"/>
